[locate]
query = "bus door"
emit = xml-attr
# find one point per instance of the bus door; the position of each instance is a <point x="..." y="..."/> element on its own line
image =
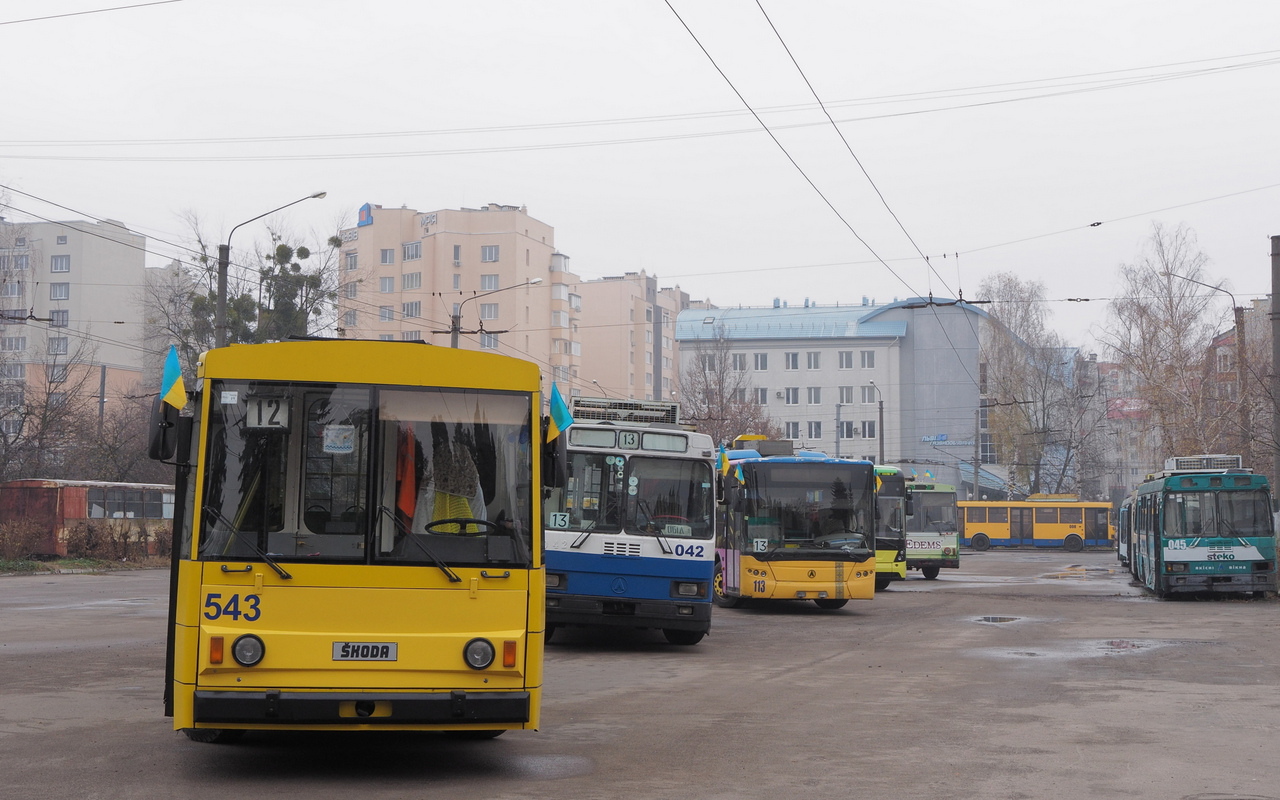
<point x="1021" y="527"/>
<point x="1096" y="530"/>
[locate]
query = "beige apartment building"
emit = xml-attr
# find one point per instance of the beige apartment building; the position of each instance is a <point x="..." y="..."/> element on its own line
<point x="69" y="310"/>
<point x="629" y="348"/>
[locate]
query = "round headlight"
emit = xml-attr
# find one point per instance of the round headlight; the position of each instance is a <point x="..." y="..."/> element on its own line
<point x="478" y="653"/>
<point x="248" y="650"/>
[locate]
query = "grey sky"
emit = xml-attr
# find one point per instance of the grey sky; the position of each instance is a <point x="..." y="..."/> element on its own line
<point x="995" y="130"/>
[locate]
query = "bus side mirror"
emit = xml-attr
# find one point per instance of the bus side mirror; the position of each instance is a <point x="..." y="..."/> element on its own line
<point x="553" y="458"/>
<point x="170" y="438"/>
<point x="909" y="508"/>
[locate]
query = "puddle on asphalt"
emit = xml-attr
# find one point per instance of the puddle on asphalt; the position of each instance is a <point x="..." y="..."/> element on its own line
<point x="998" y="619"/>
<point x="1071" y="650"/>
<point x="1079" y="572"/>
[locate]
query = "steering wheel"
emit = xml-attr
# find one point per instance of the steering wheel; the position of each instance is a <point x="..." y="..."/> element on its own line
<point x="462" y="522"/>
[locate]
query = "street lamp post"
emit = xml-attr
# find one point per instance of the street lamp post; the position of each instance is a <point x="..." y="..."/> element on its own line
<point x="880" y="417"/>
<point x="455" y="320"/>
<point x="1241" y="358"/>
<point x="224" y="262"/>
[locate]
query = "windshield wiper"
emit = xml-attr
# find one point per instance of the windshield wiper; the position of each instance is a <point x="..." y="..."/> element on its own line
<point x="403" y="530"/>
<point x="210" y="510"/>
<point x="653" y="527"/>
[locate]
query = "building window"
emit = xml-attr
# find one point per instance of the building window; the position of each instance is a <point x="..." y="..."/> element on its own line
<point x="59" y="263"/>
<point x="762" y="396"/>
<point x="11" y="289"/>
<point x="411" y="310"/>
<point x="62" y="240"/>
<point x="846" y="394"/>
<point x="412" y="251"/>
<point x="815" y="430"/>
<point x="488" y="311"/>
<point x="351" y="261"/>
<point x="488" y="341"/>
<point x="386" y="314"/>
<point x="489" y="252"/>
<point x="11" y="427"/>
<point x="761" y="361"/>
<point x="349" y="318"/>
<point x="791" y="361"/>
<point x="59" y="291"/>
<point x="848" y="429"/>
<point x="560" y="319"/>
<point x="739" y="362"/>
<point x="411" y="336"/>
<point x="489" y="283"/>
<point x="740" y="395"/>
<point x="868" y="429"/>
<point x="55" y="373"/>
<point x="813" y="359"/>
<point x="386" y="285"/>
<point x="411" y="280"/>
<point x="868" y="359"/>
<point x="21" y="262"/>
<point x="13" y="344"/>
<point x="386" y="337"/>
<point x="388" y="256"/>
<point x="982" y="378"/>
<point x="457" y="255"/>
<point x="12" y="398"/>
<point x="846" y="359"/>
<point x="58" y="345"/>
<point x="815" y="395"/>
<point x="868" y="395"/>
<point x="16" y="372"/>
<point x="793" y="430"/>
<point x="793" y="395"/>
<point x="349" y="289"/>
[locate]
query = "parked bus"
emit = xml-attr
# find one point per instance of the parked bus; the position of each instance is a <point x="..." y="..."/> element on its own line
<point x="892" y="507"/>
<point x="630" y="522"/>
<point x="1203" y="524"/>
<point x="933" y="534"/>
<point x="796" y="527"/>
<point x="1039" y="521"/>
<point x="354" y="541"/>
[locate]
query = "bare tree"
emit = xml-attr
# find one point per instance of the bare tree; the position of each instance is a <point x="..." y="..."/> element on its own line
<point x="717" y="395"/>
<point x="1160" y="327"/>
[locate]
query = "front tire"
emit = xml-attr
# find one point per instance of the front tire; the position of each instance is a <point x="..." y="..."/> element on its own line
<point x="830" y="603"/>
<point x="547" y="633"/>
<point x="213" y="735"/>
<point x="980" y="542"/>
<point x="717" y="590"/>
<point x="1073" y="544"/>
<point x="684" y="638"/>
<point x="930" y="573"/>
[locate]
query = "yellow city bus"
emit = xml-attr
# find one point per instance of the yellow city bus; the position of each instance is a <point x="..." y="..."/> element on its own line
<point x="354" y="544"/>
<point x="795" y="527"/>
<point x="1039" y="521"/>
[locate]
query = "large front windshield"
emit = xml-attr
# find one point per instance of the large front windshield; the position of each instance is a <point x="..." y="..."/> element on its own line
<point x="935" y="512"/>
<point x="792" y="505"/>
<point x="1217" y="514"/>
<point x="609" y="493"/>
<point x="366" y="474"/>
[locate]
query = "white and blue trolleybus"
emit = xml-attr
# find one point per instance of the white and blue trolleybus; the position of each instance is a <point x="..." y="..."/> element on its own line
<point x="630" y="522"/>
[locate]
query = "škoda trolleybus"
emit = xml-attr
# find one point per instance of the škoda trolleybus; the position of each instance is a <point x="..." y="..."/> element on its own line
<point x="933" y="535"/>
<point x="1203" y="524"/>
<point x="630" y="534"/>
<point x="354" y="541"/>
<point x="1042" y="520"/>
<point x="892" y="507"/>
<point x="796" y="527"/>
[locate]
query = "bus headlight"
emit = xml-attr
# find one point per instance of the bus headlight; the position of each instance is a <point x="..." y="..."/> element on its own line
<point x="478" y="653"/>
<point x="248" y="650"/>
<point x="684" y="589"/>
<point x="554" y="580"/>
<point x="1176" y="566"/>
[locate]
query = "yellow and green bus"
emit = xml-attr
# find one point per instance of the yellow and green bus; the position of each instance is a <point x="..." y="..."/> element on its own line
<point x="1039" y="521"/>
<point x="933" y="536"/>
<point x="355" y="543"/>
<point x="795" y="527"/>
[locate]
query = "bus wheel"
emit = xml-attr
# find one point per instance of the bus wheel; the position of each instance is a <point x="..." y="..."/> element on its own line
<point x="830" y="603"/>
<point x="213" y="735"/>
<point x="930" y="573"/>
<point x="717" y="589"/>
<point x="1073" y="543"/>
<point x="682" y="637"/>
<point x="979" y="541"/>
<point x="547" y="633"/>
<point x="882" y="582"/>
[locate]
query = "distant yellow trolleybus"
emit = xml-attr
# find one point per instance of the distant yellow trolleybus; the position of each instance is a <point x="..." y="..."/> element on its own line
<point x="354" y="541"/>
<point x="1039" y="521"/>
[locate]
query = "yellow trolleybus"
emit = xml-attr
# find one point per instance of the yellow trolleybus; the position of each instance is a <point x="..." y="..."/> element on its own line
<point x="354" y="541"/>
<point x="1042" y="520"/>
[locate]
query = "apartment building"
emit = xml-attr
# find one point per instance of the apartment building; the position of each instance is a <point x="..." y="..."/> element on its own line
<point x="628" y="343"/>
<point x="823" y="372"/>
<point x="69" y="309"/>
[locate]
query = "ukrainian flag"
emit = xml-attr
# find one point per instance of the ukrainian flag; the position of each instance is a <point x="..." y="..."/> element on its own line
<point x="561" y="419"/>
<point x="723" y="461"/>
<point x="172" y="389"/>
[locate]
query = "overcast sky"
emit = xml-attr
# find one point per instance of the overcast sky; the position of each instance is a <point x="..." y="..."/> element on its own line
<point x="998" y="131"/>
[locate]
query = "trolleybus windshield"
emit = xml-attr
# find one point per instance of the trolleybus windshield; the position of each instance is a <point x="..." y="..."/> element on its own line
<point x="638" y="494"/>
<point x="934" y="512"/>
<point x="1217" y="514"/>
<point x="291" y="466"/>
<point x="796" y="506"/>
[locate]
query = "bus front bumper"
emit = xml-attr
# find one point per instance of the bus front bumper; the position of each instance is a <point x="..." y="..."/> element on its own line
<point x="568" y="609"/>
<point x="367" y="708"/>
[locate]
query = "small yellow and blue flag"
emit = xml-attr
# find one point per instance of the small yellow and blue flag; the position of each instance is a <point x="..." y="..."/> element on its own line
<point x="723" y="461"/>
<point x="172" y="390"/>
<point x="561" y="419"/>
<point x="737" y="473"/>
